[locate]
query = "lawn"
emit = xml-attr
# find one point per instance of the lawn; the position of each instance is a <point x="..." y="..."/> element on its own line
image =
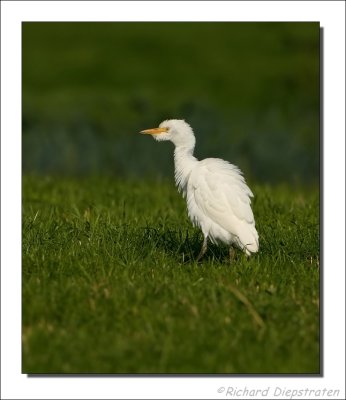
<point x="110" y="283"/>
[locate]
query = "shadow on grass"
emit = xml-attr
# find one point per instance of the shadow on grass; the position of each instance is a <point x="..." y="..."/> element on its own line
<point x="184" y="246"/>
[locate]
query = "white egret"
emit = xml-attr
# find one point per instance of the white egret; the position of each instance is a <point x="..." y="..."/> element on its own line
<point x="218" y="198"/>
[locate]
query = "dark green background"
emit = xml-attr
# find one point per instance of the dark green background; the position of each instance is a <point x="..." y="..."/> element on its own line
<point x="249" y="90"/>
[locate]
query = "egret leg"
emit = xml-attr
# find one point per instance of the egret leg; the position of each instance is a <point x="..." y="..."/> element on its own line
<point x="203" y="249"/>
<point x="231" y="254"/>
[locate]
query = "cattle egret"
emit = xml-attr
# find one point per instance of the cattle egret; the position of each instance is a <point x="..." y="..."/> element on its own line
<point x="218" y="198"/>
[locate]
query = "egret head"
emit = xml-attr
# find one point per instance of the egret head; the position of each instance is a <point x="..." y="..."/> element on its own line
<point x="176" y="130"/>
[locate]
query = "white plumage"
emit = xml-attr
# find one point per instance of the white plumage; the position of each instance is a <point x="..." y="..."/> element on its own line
<point x="218" y="198"/>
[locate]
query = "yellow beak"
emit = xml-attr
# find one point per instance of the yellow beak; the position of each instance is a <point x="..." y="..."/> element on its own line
<point x="154" y="131"/>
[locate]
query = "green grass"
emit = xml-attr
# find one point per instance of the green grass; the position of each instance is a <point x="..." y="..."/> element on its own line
<point x="110" y="283"/>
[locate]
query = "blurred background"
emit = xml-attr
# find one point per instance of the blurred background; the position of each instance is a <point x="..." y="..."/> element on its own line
<point x="249" y="90"/>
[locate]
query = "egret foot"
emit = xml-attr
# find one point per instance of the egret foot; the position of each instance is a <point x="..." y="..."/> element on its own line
<point x="203" y="249"/>
<point x="231" y="254"/>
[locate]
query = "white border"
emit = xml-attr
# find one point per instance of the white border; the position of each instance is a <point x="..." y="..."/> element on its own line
<point x="331" y="15"/>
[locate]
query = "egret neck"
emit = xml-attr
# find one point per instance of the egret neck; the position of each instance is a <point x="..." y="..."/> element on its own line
<point x="184" y="162"/>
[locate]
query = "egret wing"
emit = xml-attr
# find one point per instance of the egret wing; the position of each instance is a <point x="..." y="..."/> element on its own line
<point x="221" y="193"/>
